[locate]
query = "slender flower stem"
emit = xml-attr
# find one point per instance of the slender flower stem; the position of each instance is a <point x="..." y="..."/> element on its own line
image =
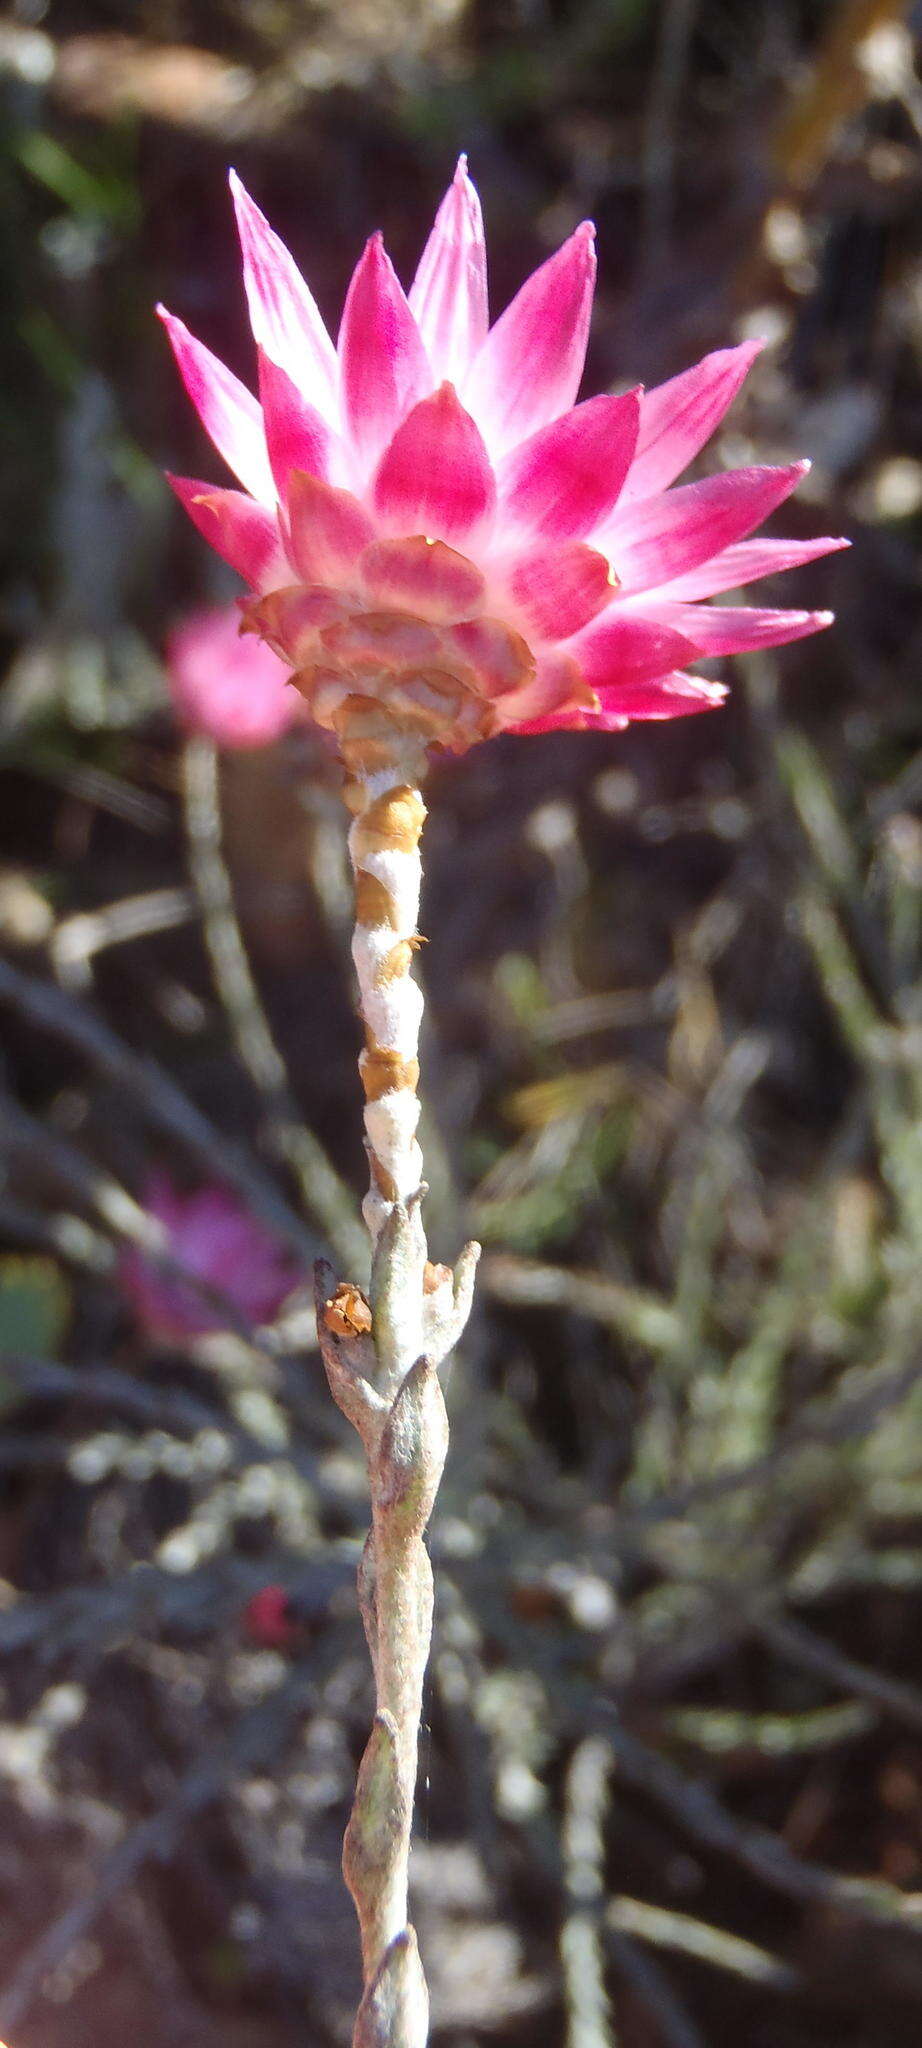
<point x="384" y="847"/>
<point x="382" y="1353"/>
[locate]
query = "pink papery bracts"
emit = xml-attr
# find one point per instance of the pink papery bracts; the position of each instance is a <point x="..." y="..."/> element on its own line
<point x="436" y="535"/>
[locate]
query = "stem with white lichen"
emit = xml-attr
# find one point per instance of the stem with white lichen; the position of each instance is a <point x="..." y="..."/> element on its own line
<point x="382" y="1353"/>
<point x="384" y="848"/>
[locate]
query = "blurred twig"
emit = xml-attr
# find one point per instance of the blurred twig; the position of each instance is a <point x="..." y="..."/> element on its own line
<point x="652" y="1986"/>
<point x="154" y="1093"/>
<point x="803" y="1647"/>
<point x="589" y="2020"/>
<point x="323" y="1192"/>
<point x="70" y="1237"/>
<point x="76" y="939"/>
<point x="664" y="1928"/>
<point x="725" y="1731"/>
<point x="631" y="1312"/>
<point x="869" y="1900"/>
<point x="168" y="1410"/>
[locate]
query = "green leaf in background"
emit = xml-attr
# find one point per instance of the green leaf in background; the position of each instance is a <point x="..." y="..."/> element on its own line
<point x="34" y="1307"/>
<point x="103" y="194"/>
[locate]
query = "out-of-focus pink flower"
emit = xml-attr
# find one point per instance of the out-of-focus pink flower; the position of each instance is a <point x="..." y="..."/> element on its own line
<point x="234" y="690"/>
<point x="269" y="1621"/>
<point x="214" y="1237"/>
<point x="434" y="531"/>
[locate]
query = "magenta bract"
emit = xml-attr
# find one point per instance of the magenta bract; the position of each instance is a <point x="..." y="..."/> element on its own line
<point x="430" y="523"/>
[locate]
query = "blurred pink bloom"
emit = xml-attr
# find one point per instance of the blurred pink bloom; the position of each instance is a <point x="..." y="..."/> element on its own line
<point x="269" y="1621"/>
<point x="433" y="528"/>
<point x="234" y="690"/>
<point x="214" y="1237"/>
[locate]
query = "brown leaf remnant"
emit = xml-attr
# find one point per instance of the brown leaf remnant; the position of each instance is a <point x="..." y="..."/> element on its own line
<point x="347" y="1313"/>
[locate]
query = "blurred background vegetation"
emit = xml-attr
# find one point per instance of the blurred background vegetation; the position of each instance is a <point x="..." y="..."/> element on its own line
<point x="673" y="1779"/>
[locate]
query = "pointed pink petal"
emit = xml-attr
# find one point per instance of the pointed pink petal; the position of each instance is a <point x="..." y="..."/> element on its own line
<point x="329" y="529"/>
<point x="283" y="316"/>
<point x="230" y="688"/>
<point x="569" y="475"/>
<point x="529" y="368"/>
<point x="435" y="478"/>
<point x="669" y="696"/>
<point x="423" y="576"/>
<point x="747" y="562"/>
<point x="572" y="719"/>
<point x="296" y="436"/>
<point x="736" y="629"/>
<point x="244" y="533"/>
<point x="677" y="418"/>
<point x="229" y="413"/>
<point x="558" y="588"/>
<point x="383" y="364"/>
<point x="659" y="538"/>
<point x="448" y="296"/>
<point x="620" y="649"/>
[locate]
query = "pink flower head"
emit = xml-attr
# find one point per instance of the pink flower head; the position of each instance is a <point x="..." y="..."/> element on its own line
<point x="233" y="690"/>
<point x="438" y="538"/>
<point x="213" y="1236"/>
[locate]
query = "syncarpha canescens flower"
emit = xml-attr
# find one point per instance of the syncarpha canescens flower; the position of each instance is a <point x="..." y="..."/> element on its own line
<point x="435" y="532"/>
<point x="232" y="690"/>
<point x="212" y="1235"/>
